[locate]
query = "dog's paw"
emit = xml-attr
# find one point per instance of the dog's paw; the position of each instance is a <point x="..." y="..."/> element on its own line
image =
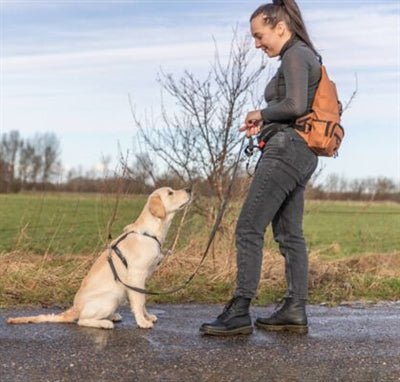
<point x="144" y="324"/>
<point x="151" y="317"/>
<point x="93" y="323"/>
<point x="106" y="324"/>
<point x="116" y="317"/>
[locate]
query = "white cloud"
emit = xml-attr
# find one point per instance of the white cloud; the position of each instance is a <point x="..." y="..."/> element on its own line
<point x="105" y="57"/>
<point x="75" y="80"/>
<point x="365" y="37"/>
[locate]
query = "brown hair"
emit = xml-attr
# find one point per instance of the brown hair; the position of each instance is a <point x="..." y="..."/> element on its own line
<point x="288" y="11"/>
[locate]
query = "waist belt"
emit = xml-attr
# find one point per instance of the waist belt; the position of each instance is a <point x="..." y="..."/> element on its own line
<point x="267" y="133"/>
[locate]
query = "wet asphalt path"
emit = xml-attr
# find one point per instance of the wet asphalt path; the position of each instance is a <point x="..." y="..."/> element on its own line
<point x="344" y="344"/>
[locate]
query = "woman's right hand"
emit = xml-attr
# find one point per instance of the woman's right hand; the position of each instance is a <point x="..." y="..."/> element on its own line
<point x="252" y="123"/>
<point x="250" y="131"/>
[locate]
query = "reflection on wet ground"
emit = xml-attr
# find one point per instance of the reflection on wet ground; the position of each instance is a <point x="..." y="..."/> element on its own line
<point x="363" y="341"/>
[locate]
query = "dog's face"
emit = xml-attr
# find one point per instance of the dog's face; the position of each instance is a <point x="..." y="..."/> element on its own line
<point x="166" y="201"/>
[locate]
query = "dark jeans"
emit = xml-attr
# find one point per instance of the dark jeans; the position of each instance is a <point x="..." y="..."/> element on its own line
<point x="276" y="195"/>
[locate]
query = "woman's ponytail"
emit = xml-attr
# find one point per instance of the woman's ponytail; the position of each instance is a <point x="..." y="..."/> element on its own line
<point x="296" y="23"/>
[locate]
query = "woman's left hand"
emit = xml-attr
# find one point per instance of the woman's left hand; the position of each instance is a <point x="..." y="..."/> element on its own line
<point x="252" y="123"/>
<point x="253" y="118"/>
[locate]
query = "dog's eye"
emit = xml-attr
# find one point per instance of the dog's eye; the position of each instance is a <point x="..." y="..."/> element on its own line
<point x="170" y="192"/>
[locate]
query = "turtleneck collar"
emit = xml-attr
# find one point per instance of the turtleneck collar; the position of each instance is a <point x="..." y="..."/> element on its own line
<point x="289" y="43"/>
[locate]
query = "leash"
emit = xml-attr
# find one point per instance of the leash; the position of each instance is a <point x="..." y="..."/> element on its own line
<point x="249" y="151"/>
<point x="114" y="248"/>
<point x="265" y="135"/>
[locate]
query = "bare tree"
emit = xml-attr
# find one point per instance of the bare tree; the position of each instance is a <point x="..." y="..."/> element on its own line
<point x="5" y="176"/>
<point x="332" y="183"/>
<point x="26" y="156"/>
<point x="35" y="169"/>
<point x="9" y="147"/>
<point x="105" y="165"/>
<point x="50" y="155"/>
<point x="384" y="186"/>
<point x="201" y="139"/>
<point x="29" y="160"/>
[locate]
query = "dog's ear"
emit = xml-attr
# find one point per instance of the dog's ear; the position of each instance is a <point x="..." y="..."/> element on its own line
<point x="156" y="207"/>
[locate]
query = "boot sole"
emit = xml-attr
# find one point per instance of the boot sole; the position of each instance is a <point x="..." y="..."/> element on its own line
<point x="233" y="332"/>
<point x="302" y="329"/>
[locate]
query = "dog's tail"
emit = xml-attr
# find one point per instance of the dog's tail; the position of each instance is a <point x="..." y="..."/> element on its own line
<point x="69" y="316"/>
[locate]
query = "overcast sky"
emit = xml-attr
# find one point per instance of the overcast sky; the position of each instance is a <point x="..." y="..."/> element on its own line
<point x="68" y="66"/>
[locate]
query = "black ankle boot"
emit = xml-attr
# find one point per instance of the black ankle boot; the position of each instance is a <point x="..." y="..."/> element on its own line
<point x="235" y="319"/>
<point x="291" y="316"/>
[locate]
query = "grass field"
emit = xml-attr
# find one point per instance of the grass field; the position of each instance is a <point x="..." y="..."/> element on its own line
<point x="48" y="242"/>
<point x="77" y="223"/>
<point x="61" y="223"/>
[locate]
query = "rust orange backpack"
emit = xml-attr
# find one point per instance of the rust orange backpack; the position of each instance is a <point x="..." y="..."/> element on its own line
<point x="321" y="127"/>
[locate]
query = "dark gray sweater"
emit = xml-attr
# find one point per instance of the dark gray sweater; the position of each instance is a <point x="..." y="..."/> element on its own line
<point x="290" y="92"/>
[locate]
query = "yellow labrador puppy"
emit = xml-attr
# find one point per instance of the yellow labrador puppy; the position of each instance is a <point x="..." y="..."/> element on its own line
<point x="100" y="294"/>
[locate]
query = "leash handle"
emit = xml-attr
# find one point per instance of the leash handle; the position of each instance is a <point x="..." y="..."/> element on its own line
<point x="249" y="150"/>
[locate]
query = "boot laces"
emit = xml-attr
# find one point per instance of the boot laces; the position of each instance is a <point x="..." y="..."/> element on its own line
<point x="228" y="307"/>
<point x="279" y="303"/>
<point x="279" y="306"/>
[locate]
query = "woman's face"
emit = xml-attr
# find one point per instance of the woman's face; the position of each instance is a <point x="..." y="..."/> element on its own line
<point x="269" y="40"/>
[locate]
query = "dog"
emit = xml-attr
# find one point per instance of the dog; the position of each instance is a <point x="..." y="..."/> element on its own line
<point x="100" y="294"/>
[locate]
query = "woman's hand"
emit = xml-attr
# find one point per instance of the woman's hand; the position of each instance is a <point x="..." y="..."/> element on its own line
<point x="250" y="131"/>
<point x="252" y="123"/>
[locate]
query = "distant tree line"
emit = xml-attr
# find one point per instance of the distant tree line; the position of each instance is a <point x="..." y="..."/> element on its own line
<point x="370" y="185"/>
<point x="337" y="187"/>
<point x="35" y="164"/>
<point x="29" y="161"/>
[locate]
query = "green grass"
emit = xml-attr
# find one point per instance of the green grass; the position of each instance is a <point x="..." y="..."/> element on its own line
<point x="354" y="227"/>
<point x="62" y="223"/>
<point x="49" y="241"/>
<point x="77" y="223"/>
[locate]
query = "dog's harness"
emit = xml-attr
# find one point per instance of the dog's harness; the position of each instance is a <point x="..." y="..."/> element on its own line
<point x="118" y="252"/>
<point x="114" y="247"/>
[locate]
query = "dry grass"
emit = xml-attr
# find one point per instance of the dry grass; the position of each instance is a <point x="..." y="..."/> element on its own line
<point x="46" y="280"/>
<point x="43" y="264"/>
<point x="53" y="280"/>
<point x="365" y="276"/>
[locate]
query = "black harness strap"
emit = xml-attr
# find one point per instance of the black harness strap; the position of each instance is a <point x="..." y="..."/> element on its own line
<point x="120" y="255"/>
<point x="224" y="203"/>
<point x="122" y="237"/>
<point x="118" y="252"/>
<point x="123" y="259"/>
<point x="153" y="237"/>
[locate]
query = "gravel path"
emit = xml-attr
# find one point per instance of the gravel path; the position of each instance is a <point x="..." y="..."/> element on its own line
<point x="355" y="342"/>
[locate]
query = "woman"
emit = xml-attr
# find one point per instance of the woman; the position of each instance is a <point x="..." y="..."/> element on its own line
<point x="277" y="191"/>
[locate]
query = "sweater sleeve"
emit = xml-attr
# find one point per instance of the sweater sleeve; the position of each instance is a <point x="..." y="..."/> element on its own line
<point x="295" y="70"/>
